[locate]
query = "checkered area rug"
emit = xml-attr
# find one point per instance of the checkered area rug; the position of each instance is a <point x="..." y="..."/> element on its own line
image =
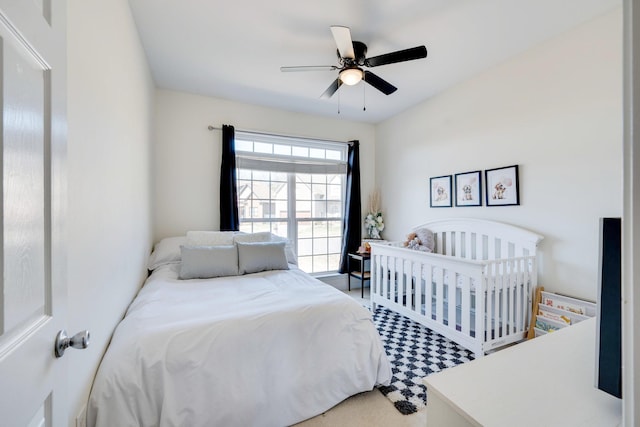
<point x="414" y="352"/>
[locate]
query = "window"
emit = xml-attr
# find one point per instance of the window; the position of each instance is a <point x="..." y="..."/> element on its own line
<point x="294" y="188"/>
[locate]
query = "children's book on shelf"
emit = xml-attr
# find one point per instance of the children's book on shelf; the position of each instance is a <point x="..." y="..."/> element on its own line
<point x="556" y="302"/>
<point x="553" y="316"/>
<point x="549" y="325"/>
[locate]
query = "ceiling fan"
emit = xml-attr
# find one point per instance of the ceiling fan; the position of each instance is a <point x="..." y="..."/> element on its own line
<point x="352" y="57"/>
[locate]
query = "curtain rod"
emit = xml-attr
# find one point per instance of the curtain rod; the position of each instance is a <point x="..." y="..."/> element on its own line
<point x="283" y="136"/>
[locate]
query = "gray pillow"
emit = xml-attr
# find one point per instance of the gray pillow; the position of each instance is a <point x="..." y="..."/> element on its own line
<point x="426" y="239"/>
<point x="204" y="262"/>
<point x="262" y="256"/>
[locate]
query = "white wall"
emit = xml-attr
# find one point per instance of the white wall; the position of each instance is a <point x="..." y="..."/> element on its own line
<point x="110" y="109"/>
<point x="556" y="111"/>
<point x="187" y="155"/>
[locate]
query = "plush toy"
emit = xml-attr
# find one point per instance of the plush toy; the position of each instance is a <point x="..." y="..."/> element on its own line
<point x="413" y="242"/>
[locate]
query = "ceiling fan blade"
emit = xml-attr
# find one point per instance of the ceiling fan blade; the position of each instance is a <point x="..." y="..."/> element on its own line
<point x="331" y="89"/>
<point x="309" y="68"/>
<point x="342" y="36"/>
<point x="379" y="83"/>
<point x="397" y="56"/>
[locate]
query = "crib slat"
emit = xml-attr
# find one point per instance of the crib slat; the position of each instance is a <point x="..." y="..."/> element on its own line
<point x="527" y="289"/>
<point x="400" y="278"/>
<point x="510" y="295"/>
<point x="458" y="246"/>
<point x="393" y="278"/>
<point x="497" y="302"/>
<point x="489" y="310"/>
<point x="374" y="275"/>
<point x="385" y="278"/>
<point x="514" y="284"/>
<point x="440" y="243"/>
<point x="379" y="274"/>
<point x="519" y="300"/>
<point x="448" y="243"/>
<point x="524" y="303"/>
<point x="418" y="288"/>
<point x="505" y="301"/>
<point x="468" y="248"/>
<point x="428" y="290"/>
<point x="480" y="253"/>
<point x="439" y="295"/>
<point x="491" y="248"/>
<point x="465" y="321"/>
<point x="497" y="324"/>
<point x="518" y="285"/>
<point x="480" y="302"/>
<point x="402" y="283"/>
<point x="452" y="287"/>
<point x="410" y="286"/>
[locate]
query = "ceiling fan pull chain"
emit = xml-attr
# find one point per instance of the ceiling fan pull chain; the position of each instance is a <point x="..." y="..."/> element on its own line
<point x="364" y="96"/>
<point x="338" y="102"/>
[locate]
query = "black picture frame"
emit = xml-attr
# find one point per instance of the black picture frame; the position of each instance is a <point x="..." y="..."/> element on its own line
<point x="502" y="186"/>
<point x="468" y="187"/>
<point x="440" y="191"/>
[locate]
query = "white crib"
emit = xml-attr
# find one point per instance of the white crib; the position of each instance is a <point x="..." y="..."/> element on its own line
<point x="492" y="267"/>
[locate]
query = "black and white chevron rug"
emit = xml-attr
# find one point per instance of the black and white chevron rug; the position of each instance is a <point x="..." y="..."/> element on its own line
<point x="414" y="352"/>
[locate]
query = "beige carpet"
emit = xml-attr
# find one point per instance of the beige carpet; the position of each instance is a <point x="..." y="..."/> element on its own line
<point x="366" y="410"/>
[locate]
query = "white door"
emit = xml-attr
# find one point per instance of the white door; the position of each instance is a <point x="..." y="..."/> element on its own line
<point x="32" y="251"/>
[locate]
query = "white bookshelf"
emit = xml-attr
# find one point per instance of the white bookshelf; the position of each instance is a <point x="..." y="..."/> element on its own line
<point x="557" y="311"/>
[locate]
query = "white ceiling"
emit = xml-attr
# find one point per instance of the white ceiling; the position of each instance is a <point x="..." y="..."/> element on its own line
<point x="234" y="49"/>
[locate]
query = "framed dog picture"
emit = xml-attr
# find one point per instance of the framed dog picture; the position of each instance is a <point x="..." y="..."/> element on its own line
<point x="440" y="192"/>
<point x="468" y="188"/>
<point x="502" y="186"/>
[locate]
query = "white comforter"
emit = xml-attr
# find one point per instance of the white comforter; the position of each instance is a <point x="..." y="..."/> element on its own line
<point x="266" y="349"/>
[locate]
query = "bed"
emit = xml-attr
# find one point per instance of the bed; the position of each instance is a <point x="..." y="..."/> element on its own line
<point x="475" y="287"/>
<point x="267" y="348"/>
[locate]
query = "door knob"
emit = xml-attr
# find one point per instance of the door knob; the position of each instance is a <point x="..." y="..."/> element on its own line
<point x="79" y="340"/>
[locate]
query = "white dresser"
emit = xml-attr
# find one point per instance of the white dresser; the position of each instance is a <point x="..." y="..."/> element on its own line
<point x="545" y="382"/>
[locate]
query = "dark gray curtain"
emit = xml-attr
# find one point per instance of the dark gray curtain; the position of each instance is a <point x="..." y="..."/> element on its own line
<point x="352" y="222"/>
<point x="229" y="220"/>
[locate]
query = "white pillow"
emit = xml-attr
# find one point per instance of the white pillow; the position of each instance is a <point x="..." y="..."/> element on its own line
<point x="204" y="262"/>
<point x="261" y="256"/>
<point x="210" y="238"/>
<point x="166" y="251"/>
<point x="263" y="236"/>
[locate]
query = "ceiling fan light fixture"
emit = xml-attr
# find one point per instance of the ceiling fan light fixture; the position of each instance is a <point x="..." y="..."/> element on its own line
<point x="351" y="76"/>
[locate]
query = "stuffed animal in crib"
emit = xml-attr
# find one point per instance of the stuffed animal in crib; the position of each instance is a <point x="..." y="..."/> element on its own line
<point x="413" y="242"/>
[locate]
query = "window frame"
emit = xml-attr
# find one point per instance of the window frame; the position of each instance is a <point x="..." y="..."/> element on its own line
<point x="293" y="165"/>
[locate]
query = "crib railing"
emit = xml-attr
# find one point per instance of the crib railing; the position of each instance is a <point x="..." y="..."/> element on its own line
<point x="481" y="305"/>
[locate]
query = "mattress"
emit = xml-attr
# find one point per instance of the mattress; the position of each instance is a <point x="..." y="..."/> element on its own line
<point x="268" y="349"/>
